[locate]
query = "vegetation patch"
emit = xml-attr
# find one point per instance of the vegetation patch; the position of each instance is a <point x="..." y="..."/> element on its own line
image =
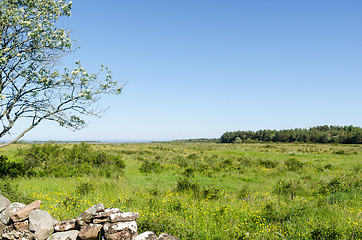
<point x="199" y="190"/>
<point x="42" y="160"/>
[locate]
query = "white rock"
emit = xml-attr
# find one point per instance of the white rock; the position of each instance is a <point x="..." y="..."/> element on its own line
<point x="146" y="236"/>
<point x="5" y="215"/>
<point x="41" y="222"/>
<point x="4" y="202"/>
<point x="69" y="235"/>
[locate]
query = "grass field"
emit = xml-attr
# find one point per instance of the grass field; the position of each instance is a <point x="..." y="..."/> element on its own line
<point x="215" y="191"/>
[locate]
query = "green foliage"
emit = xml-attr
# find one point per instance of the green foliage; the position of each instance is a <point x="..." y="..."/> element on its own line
<point x="12" y="169"/>
<point x="288" y="187"/>
<point x="79" y="160"/>
<point x="267" y="163"/>
<point x="341" y="184"/>
<point x="150" y="166"/>
<point x="243" y="192"/>
<point x="185" y="184"/>
<point x="10" y="190"/>
<point x="211" y="191"/>
<point x="238" y="140"/>
<point x="325" y="233"/>
<point x="293" y="164"/>
<point x="319" y="134"/>
<point x="189" y="172"/>
<point x="84" y="188"/>
<point x="32" y="43"/>
<point x="70" y="201"/>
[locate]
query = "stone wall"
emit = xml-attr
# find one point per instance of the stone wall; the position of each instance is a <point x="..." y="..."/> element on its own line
<point x="28" y="222"/>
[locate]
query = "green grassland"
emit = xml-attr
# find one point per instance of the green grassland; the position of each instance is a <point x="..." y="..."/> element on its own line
<point x="201" y="190"/>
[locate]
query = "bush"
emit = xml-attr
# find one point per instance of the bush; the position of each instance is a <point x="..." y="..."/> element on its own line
<point x="287" y="188"/>
<point x="149" y="167"/>
<point x="84" y="188"/>
<point x="321" y="233"/>
<point x="293" y="164"/>
<point x="184" y="184"/>
<point x="11" y="169"/>
<point x="189" y="172"/>
<point x="62" y="161"/>
<point x="211" y="193"/>
<point x="267" y="163"/>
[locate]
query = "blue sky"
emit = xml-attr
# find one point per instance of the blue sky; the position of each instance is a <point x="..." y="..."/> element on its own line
<point x="198" y="68"/>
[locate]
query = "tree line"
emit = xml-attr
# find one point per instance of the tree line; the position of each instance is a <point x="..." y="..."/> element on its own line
<point x="319" y="134"/>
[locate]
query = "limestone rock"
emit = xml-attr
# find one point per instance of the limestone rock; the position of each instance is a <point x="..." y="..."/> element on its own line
<point x="21" y="225"/>
<point x="100" y="220"/>
<point x="5" y="215"/>
<point x="123" y="235"/>
<point x="65" y="225"/>
<point x="90" y="232"/>
<point x="123" y="217"/>
<point x="120" y="226"/>
<point x="87" y="215"/>
<point x="2" y="226"/>
<point x="146" y="236"/>
<point x="42" y="234"/>
<point x="23" y="213"/>
<point x="80" y="223"/>
<point x="10" y="233"/>
<point x="68" y="235"/>
<point x="166" y="236"/>
<point x="41" y="223"/>
<point x="120" y="230"/>
<point x="4" y="202"/>
<point x="105" y="213"/>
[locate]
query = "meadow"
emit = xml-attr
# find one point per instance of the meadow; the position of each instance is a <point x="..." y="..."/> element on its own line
<point x="199" y="190"/>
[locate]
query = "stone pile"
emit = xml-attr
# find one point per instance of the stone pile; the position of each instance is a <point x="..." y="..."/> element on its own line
<point x="28" y="222"/>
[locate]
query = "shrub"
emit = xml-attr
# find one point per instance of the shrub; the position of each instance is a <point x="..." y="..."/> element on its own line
<point x="181" y="161"/>
<point x="293" y="164"/>
<point x="321" y="233"/>
<point x="149" y="167"/>
<point x="244" y="161"/>
<point x="211" y="193"/>
<point x="287" y="188"/>
<point x="185" y="184"/>
<point x="328" y="166"/>
<point x="267" y="163"/>
<point x="41" y="155"/>
<point x="189" y="172"/>
<point x="84" y="188"/>
<point x="11" y="169"/>
<point x="341" y="152"/>
<point x="332" y="186"/>
<point x="62" y="161"/>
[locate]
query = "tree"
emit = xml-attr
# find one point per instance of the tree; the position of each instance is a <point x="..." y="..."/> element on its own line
<point x="32" y="86"/>
<point x="237" y="140"/>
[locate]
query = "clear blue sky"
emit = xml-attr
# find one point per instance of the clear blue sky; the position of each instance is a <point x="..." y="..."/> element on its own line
<point x="198" y="68"/>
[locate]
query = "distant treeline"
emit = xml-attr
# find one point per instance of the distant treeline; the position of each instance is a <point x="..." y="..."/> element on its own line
<point x="319" y="134"/>
<point x="197" y="140"/>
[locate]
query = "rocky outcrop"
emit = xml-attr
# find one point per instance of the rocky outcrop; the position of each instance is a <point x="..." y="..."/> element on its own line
<point x="18" y="221"/>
